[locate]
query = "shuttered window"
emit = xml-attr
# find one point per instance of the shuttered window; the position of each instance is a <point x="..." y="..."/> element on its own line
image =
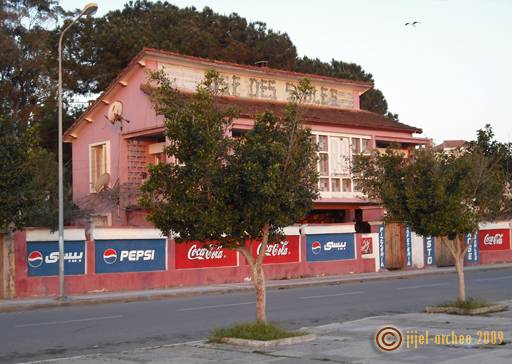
<point x="99" y="154"/>
<point x="335" y="156"/>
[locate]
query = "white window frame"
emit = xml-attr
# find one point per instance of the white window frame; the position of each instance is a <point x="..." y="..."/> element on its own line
<point x="107" y="167"/>
<point x="331" y="176"/>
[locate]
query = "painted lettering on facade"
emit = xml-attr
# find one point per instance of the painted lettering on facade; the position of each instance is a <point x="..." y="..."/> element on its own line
<point x="263" y="88"/>
<point x="429" y="251"/>
<point x="382" y="261"/>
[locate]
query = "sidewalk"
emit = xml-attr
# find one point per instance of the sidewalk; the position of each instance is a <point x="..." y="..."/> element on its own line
<point x="348" y="342"/>
<point x="155" y="294"/>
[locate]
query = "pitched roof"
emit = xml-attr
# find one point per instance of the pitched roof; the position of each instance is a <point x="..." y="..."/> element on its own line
<point x="250" y="108"/>
<point x="323" y="115"/>
<point x="450" y="144"/>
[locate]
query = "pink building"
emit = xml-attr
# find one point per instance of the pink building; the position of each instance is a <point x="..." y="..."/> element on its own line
<point x="119" y="135"/>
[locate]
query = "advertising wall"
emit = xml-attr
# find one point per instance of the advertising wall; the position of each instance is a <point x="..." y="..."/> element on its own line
<point x="133" y="259"/>
<point x="43" y="258"/>
<point x="494" y="239"/>
<point x="324" y="247"/>
<point x="283" y="251"/>
<point x="130" y="255"/>
<point x="204" y="255"/>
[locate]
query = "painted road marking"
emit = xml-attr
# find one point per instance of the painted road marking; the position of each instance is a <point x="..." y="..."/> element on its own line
<point x="215" y="306"/>
<point x="70" y="321"/>
<point x="493" y="279"/>
<point x="333" y="295"/>
<point x="422" y="286"/>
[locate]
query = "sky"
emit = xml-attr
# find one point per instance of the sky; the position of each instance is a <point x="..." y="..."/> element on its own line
<point x="449" y="75"/>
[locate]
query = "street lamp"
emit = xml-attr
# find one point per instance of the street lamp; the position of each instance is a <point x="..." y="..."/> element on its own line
<point x="88" y="10"/>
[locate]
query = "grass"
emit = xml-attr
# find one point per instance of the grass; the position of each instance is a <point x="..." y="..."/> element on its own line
<point x="469" y="304"/>
<point x="253" y="331"/>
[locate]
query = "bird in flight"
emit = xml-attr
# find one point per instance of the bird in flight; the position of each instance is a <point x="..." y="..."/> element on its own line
<point x="412" y="23"/>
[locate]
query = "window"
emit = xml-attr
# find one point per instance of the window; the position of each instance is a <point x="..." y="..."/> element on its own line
<point x="335" y="155"/>
<point x="99" y="162"/>
<point x="101" y="220"/>
<point x="156" y="153"/>
<point x="238" y="133"/>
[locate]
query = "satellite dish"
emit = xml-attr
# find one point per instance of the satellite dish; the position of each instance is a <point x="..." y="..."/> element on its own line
<point x="115" y="112"/>
<point x="102" y="182"/>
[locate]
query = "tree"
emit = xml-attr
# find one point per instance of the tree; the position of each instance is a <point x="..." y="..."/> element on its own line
<point x="225" y="191"/>
<point x="437" y="194"/>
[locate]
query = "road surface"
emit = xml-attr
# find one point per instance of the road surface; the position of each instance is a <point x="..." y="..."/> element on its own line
<point x="64" y="332"/>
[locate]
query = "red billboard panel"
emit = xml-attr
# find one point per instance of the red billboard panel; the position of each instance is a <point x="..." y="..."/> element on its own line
<point x="495" y="239"/>
<point x="366" y="245"/>
<point x="204" y="255"/>
<point x="285" y="251"/>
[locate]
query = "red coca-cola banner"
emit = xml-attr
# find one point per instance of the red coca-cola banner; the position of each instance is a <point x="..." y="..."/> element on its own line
<point x="495" y="239"/>
<point x="199" y="255"/>
<point x="366" y="245"/>
<point x="285" y="251"/>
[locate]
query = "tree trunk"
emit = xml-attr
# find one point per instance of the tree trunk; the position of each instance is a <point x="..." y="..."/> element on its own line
<point x="458" y="249"/>
<point x="257" y="275"/>
<point x="8" y="287"/>
<point x="459" y="266"/>
<point x="261" y="296"/>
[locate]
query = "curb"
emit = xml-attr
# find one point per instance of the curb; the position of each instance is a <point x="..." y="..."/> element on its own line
<point x="467" y="311"/>
<point x="268" y="343"/>
<point x="20" y="305"/>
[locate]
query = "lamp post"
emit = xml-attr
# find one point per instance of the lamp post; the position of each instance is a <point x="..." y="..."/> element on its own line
<point x="89" y="9"/>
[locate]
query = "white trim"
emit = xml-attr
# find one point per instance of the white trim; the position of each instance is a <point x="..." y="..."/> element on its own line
<point x="166" y="255"/>
<point x="291" y="230"/>
<point x="107" y="167"/>
<point x="126" y="233"/>
<point x="338" y="134"/>
<point x="47" y="235"/>
<point x="495" y="225"/>
<point x="328" y="229"/>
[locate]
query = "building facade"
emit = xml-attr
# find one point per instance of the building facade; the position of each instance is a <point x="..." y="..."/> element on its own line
<point x="119" y="135"/>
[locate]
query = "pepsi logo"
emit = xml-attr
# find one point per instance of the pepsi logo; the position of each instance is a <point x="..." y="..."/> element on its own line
<point x="110" y="256"/>
<point x="316" y="247"/>
<point x="35" y="259"/>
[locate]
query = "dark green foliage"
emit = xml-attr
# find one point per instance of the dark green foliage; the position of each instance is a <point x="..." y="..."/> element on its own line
<point x="227" y="190"/>
<point x="253" y="331"/>
<point x="436" y="193"/>
<point x="28" y="113"/>
<point x="106" y="45"/>
<point x="25" y="183"/>
<point x="102" y="47"/>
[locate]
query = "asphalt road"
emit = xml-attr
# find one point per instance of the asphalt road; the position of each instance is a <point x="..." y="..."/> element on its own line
<point x="64" y="332"/>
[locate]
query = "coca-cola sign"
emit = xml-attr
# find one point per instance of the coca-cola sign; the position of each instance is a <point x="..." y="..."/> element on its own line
<point x="495" y="239"/>
<point x="285" y="251"/>
<point x="204" y="255"/>
<point x="366" y="245"/>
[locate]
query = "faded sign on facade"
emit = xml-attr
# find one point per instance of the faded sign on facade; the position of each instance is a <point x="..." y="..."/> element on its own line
<point x="263" y="88"/>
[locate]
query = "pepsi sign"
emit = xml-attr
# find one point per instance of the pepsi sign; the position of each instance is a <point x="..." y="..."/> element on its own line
<point x="429" y="251"/>
<point x="472" y="252"/>
<point x="43" y="258"/>
<point x="137" y="255"/>
<point x="322" y="247"/>
<point x="382" y="249"/>
<point x="408" y="246"/>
